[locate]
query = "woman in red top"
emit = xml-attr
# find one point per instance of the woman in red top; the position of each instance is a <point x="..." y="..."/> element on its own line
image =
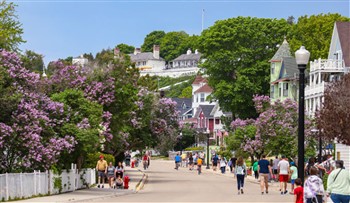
<point x="145" y="161"/>
<point x="298" y="191"/>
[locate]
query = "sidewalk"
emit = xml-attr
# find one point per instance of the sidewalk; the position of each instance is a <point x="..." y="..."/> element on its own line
<point x="94" y="193"/>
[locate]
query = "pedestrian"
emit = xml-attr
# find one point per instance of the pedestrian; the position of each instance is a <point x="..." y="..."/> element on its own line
<point x="215" y="162"/>
<point x="233" y="160"/>
<point x="313" y="187"/>
<point x="264" y="171"/>
<point x="110" y="174"/>
<point x="338" y="184"/>
<point x="294" y="175"/>
<point x="177" y="161"/>
<point x="127" y="159"/>
<point x="145" y="160"/>
<point x="255" y="169"/>
<point x="275" y="169"/>
<point x="119" y="170"/>
<point x="148" y="158"/>
<point x="309" y="165"/>
<point x="298" y="192"/>
<point x="283" y="172"/>
<point x="240" y="172"/>
<point x="199" y="165"/>
<point x="101" y="167"/>
<point x="190" y="161"/>
<point x="327" y="166"/>
<point x="223" y="164"/>
<point x="183" y="159"/>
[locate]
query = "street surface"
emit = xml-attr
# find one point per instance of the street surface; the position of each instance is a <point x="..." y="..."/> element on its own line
<point x="165" y="184"/>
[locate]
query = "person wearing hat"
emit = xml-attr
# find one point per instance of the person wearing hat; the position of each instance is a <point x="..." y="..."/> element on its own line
<point x="283" y="171"/>
<point x="101" y="167"/>
<point x="294" y="175"/>
<point x="338" y="183"/>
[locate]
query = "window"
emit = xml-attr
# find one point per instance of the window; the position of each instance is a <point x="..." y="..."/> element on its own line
<point x="272" y="68"/>
<point x="279" y="91"/>
<point x="272" y="92"/>
<point x="285" y="89"/>
<point x="202" y="97"/>
<point x="217" y="121"/>
<point x="197" y="98"/>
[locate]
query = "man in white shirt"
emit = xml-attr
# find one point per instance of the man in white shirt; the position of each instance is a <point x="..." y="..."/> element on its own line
<point x="275" y="169"/>
<point x="283" y="171"/>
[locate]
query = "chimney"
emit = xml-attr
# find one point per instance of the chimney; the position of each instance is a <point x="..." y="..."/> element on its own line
<point x="189" y="52"/>
<point x="196" y="51"/>
<point x="137" y="51"/>
<point x="156" y="49"/>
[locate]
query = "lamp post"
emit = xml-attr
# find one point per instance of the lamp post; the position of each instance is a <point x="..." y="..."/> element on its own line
<point x="302" y="58"/>
<point x="208" y="133"/>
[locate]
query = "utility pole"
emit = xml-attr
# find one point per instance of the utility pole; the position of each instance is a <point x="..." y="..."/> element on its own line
<point x="203" y="20"/>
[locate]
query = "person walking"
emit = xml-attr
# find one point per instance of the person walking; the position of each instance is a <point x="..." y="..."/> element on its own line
<point x="223" y="164"/>
<point x="255" y="169"/>
<point x="338" y="183"/>
<point x="233" y="160"/>
<point x="313" y="187"/>
<point x="215" y="162"/>
<point x="110" y="174"/>
<point x="309" y="165"/>
<point x="177" y="161"/>
<point x="183" y="159"/>
<point x="145" y="161"/>
<point x="264" y="171"/>
<point x="240" y="172"/>
<point x="283" y="172"/>
<point x="294" y="175"/>
<point x="119" y="170"/>
<point x="275" y="169"/>
<point x="190" y="161"/>
<point x="199" y="165"/>
<point x="298" y="192"/>
<point x="101" y="167"/>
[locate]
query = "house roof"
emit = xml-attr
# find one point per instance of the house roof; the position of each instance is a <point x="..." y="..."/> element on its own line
<point x="206" y="109"/>
<point x="180" y="102"/>
<point x="283" y="51"/>
<point x="204" y="88"/>
<point x="145" y="56"/>
<point x="199" y="79"/>
<point x="289" y="70"/>
<point x="344" y="37"/>
<point x="185" y="57"/>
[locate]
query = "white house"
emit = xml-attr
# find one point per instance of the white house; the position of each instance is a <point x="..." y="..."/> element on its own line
<point x="187" y="60"/>
<point x="148" y="60"/>
<point x="80" y="61"/>
<point x="323" y="71"/>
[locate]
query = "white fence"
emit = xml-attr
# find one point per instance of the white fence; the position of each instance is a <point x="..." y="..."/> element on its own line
<point x="24" y="185"/>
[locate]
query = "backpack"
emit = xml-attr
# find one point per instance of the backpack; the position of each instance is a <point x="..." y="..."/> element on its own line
<point x="240" y="170"/>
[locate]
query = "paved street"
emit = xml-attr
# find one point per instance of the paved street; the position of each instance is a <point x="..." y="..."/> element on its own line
<point x="165" y="184"/>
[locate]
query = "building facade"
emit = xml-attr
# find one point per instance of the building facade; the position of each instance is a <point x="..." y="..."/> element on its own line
<point x="150" y="61"/>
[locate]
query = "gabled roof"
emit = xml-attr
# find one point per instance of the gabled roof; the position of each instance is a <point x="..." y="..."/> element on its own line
<point x="198" y="80"/>
<point x="283" y="51"/>
<point x="344" y="37"/>
<point x="206" y="109"/>
<point x="290" y="65"/>
<point x="180" y="102"/>
<point x="185" y="57"/>
<point x="145" y="56"/>
<point x="204" y="88"/>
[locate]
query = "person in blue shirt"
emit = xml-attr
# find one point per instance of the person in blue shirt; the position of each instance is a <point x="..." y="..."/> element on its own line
<point x="264" y="171"/>
<point x="177" y="161"/>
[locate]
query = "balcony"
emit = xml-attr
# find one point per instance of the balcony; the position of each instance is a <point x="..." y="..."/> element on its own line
<point x="314" y="90"/>
<point x="327" y="65"/>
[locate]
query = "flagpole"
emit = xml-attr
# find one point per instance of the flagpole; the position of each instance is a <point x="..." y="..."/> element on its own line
<point x="202" y="20"/>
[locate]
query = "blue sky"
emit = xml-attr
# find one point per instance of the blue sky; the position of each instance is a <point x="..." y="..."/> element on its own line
<point x="61" y="28"/>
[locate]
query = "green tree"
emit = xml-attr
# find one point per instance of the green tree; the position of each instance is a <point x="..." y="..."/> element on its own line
<point x="89" y="56"/>
<point x="315" y="33"/>
<point x="126" y="49"/>
<point x="237" y="51"/>
<point x="10" y="28"/>
<point x="104" y="57"/>
<point x="186" y="92"/>
<point x="33" y="61"/>
<point x="153" y="38"/>
<point x="172" y="45"/>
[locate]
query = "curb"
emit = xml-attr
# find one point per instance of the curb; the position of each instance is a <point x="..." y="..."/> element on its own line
<point x="142" y="182"/>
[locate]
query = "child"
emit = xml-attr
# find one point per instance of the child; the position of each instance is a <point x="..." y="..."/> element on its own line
<point x="298" y="192"/>
<point x="293" y="176"/>
<point x="119" y="182"/>
<point x="199" y="165"/>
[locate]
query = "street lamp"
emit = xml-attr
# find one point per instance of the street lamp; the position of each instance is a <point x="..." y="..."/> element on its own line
<point x="208" y="133"/>
<point x="319" y="144"/>
<point x="302" y="58"/>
